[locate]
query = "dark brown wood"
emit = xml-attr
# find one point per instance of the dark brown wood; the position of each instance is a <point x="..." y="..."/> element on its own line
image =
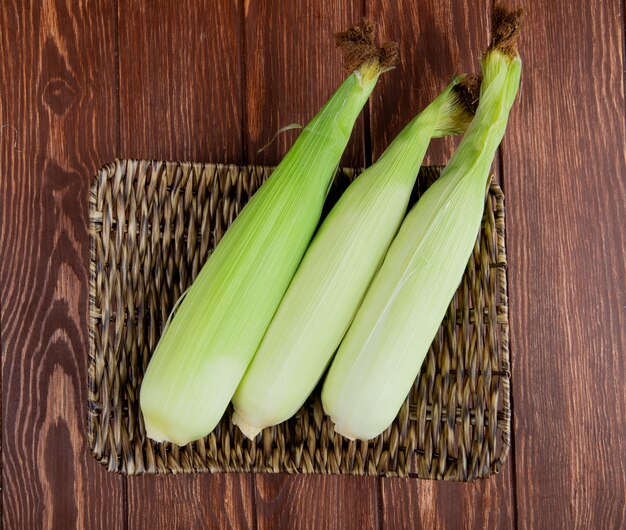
<point x="437" y="40"/>
<point x="316" y="501"/>
<point x="564" y="169"/>
<point x="486" y="504"/>
<point x="199" y="117"/>
<point x="292" y="67"/>
<point x="191" y="501"/>
<point x="58" y="126"/>
<point x="180" y="79"/>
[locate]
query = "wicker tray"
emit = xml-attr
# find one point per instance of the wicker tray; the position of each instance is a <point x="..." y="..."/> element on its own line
<point x="152" y="225"/>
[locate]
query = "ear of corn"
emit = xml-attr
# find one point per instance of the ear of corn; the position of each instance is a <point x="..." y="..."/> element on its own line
<point x="204" y="352"/>
<point x="336" y="270"/>
<point x="381" y="354"/>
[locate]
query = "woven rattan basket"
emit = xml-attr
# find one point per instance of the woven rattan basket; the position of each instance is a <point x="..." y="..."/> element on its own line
<point x="152" y="226"/>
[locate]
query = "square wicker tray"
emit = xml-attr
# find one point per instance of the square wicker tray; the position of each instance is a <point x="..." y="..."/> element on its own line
<point x="152" y="225"/>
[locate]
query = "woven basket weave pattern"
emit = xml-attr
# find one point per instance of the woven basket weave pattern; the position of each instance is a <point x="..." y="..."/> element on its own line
<point x="153" y="225"/>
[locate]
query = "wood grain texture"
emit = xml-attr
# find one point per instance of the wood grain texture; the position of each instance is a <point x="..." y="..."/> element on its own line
<point x="316" y="501"/>
<point x="180" y="80"/>
<point x="292" y="68"/>
<point x="564" y="172"/>
<point x="422" y="504"/>
<point x="191" y="502"/>
<point x="437" y="39"/>
<point x="181" y="99"/>
<point x="58" y="118"/>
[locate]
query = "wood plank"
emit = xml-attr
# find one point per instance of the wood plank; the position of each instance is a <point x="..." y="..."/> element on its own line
<point x="191" y="501"/>
<point x="180" y="80"/>
<point x="564" y="167"/>
<point x="58" y="121"/>
<point x="437" y="39"/>
<point x="180" y="98"/>
<point x="316" y="501"/>
<point x="292" y="67"/>
<point x="423" y="504"/>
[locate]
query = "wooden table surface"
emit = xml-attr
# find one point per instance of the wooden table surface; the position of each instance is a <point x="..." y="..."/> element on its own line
<point x="83" y="82"/>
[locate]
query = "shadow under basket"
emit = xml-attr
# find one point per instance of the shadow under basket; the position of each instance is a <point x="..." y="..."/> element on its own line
<point x="153" y="224"/>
